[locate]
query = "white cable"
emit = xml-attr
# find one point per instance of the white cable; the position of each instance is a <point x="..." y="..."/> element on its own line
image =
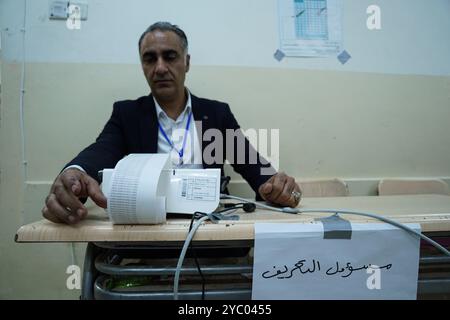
<point x="366" y="214"/>
<point x="22" y="93"/>
<point x="384" y="219"/>
<point x="21" y="105"/>
<point x="261" y="205"/>
<point x="183" y="253"/>
<point x="73" y="255"/>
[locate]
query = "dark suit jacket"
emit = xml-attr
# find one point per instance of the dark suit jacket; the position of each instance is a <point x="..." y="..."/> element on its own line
<point x="133" y="128"/>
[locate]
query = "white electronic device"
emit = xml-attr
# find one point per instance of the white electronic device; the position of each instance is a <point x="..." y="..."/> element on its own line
<point x="143" y="188"/>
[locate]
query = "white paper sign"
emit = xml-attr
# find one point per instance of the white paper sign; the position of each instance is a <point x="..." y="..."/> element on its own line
<point x="294" y="261"/>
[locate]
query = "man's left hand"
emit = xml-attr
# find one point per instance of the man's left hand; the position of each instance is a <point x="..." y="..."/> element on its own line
<point x="281" y="189"/>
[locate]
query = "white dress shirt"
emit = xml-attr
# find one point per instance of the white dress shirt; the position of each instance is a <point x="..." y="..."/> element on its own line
<point x="176" y="131"/>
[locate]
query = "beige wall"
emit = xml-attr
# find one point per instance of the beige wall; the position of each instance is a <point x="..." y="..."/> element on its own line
<point x="350" y="125"/>
<point x="356" y="126"/>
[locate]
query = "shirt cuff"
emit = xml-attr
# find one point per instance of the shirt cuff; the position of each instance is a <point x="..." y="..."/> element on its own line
<point x="74" y="166"/>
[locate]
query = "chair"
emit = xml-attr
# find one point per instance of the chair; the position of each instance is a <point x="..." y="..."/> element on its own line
<point x="412" y="186"/>
<point x="324" y="188"/>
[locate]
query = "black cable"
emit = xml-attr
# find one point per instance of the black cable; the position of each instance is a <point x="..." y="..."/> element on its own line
<point x="246" y="206"/>
<point x="197" y="215"/>
<point x="191" y="246"/>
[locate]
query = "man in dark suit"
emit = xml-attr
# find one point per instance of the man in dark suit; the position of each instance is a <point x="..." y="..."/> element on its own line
<point x="148" y="125"/>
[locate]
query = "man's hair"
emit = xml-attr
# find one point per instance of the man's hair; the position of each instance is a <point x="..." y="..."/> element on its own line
<point x="166" y="26"/>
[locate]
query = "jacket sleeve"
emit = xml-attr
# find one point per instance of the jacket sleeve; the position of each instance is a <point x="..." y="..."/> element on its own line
<point x="245" y="160"/>
<point x="107" y="150"/>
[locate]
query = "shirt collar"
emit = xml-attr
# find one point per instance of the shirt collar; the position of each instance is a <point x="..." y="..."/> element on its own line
<point x="163" y="115"/>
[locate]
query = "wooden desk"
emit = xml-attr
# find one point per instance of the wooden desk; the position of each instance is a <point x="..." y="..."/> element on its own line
<point x="431" y="211"/>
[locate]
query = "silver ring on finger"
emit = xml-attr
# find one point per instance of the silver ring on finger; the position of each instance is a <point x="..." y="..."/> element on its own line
<point x="297" y="196"/>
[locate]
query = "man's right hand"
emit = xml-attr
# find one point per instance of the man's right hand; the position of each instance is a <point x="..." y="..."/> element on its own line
<point x="62" y="205"/>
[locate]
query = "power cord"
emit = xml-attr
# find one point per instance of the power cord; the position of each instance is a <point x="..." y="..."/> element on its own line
<point x="261" y="205"/>
<point x="191" y="245"/>
<point x="214" y="217"/>
<point x="183" y="253"/>
<point x="246" y="206"/>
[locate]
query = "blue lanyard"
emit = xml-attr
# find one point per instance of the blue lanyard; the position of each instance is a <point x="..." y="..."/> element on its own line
<point x="181" y="152"/>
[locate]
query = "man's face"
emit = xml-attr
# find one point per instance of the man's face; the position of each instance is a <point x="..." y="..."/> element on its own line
<point x="164" y="63"/>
